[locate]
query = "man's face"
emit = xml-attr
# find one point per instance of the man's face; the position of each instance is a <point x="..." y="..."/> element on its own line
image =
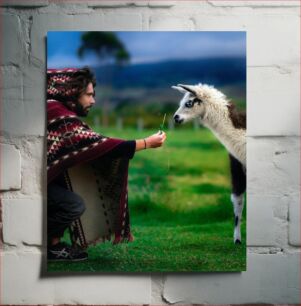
<point x="86" y="101"/>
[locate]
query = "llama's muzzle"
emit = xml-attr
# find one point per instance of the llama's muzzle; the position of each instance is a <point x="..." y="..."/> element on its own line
<point x="177" y="119"/>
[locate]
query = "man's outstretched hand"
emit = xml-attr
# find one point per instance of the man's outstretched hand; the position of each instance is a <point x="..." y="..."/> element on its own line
<point x="155" y="140"/>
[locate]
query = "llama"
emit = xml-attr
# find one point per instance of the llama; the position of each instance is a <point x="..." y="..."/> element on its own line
<point x="212" y="109"/>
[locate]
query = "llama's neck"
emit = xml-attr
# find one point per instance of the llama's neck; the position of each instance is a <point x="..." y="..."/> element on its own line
<point x="217" y="119"/>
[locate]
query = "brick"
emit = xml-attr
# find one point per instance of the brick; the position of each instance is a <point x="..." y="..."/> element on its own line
<point x="268" y="38"/>
<point x="21" y="279"/>
<point x="12" y="106"/>
<point x="273" y="165"/>
<point x="268" y="33"/>
<point x="162" y="3"/>
<point x="116" y="3"/>
<point x="22" y="284"/>
<point x="12" y="46"/>
<point x="33" y="150"/>
<point x="22" y="92"/>
<point x="294" y="220"/>
<point x="10" y="167"/>
<point x="34" y="100"/>
<point x="24" y="3"/>
<point x="76" y="7"/>
<point x="22" y="221"/>
<point x="278" y="90"/>
<point x="122" y="22"/>
<point x="11" y="84"/>
<point x="172" y="23"/>
<point x="139" y="3"/>
<point x="257" y="4"/>
<point x="261" y="224"/>
<point x="215" y="21"/>
<point x="268" y="279"/>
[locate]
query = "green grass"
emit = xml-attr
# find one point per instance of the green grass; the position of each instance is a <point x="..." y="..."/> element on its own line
<point x="181" y="214"/>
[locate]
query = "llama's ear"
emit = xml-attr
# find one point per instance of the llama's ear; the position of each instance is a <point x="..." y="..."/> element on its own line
<point x="188" y="88"/>
<point x="180" y="89"/>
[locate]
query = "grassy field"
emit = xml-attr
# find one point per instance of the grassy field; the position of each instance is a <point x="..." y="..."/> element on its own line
<point x="181" y="214"/>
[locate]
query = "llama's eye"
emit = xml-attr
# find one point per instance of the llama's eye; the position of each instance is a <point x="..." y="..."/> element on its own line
<point x="189" y="104"/>
<point x="198" y="101"/>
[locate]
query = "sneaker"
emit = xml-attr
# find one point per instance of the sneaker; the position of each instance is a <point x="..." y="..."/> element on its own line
<point x="64" y="252"/>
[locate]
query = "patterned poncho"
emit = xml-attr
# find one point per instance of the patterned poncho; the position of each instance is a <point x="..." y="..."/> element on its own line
<point x="70" y="142"/>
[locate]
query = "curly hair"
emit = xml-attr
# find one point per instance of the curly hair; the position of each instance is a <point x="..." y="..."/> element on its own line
<point x="68" y="84"/>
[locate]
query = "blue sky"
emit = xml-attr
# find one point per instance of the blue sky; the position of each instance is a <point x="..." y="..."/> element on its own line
<point x="148" y="46"/>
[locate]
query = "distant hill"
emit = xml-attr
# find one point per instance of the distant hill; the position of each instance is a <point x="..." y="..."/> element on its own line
<point x="216" y="71"/>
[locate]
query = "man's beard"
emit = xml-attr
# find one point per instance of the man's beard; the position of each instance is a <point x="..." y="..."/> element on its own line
<point x="81" y="111"/>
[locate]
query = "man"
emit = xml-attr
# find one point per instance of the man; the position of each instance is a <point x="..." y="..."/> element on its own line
<point x="70" y="142"/>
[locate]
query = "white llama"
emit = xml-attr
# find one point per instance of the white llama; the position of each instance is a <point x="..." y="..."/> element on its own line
<point x="214" y="111"/>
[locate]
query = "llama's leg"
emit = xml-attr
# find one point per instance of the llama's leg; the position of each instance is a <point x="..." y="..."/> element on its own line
<point x="238" y="205"/>
<point x="237" y="197"/>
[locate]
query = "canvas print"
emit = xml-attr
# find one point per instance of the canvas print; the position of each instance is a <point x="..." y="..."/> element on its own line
<point x="146" y="151"/>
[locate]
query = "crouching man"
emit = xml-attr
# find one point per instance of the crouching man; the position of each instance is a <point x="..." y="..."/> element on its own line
<point x="70" y="142"/>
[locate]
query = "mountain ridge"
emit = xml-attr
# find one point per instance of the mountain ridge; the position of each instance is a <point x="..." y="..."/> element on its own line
<point x="217" y="71"/>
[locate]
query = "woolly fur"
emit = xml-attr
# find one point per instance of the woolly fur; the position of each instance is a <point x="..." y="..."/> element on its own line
<point x="213" y="112"/>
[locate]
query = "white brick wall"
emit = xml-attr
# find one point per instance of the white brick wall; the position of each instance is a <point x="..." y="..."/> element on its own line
<point x="294" y="220"/>
<point x="17" y="216"/>
<point x="24" y="283"/>
<point x="266" y="97"/>
<point x="23" y="3"/>
<point x="11" y="54"/>
<point x="273" y="46"/>
<point x="270" y="279"/>
<point x="10" y="170"/>
<point x="253" y="3"/>
<point x="170" y="23"/>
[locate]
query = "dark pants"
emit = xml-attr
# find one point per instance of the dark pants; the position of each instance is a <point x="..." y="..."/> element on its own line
<point x="63" y="207"/>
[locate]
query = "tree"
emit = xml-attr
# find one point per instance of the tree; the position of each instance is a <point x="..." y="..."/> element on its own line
<point x="106" y="46"/>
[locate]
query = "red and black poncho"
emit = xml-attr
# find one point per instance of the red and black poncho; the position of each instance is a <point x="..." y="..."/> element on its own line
<point x="71" y="142"/>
